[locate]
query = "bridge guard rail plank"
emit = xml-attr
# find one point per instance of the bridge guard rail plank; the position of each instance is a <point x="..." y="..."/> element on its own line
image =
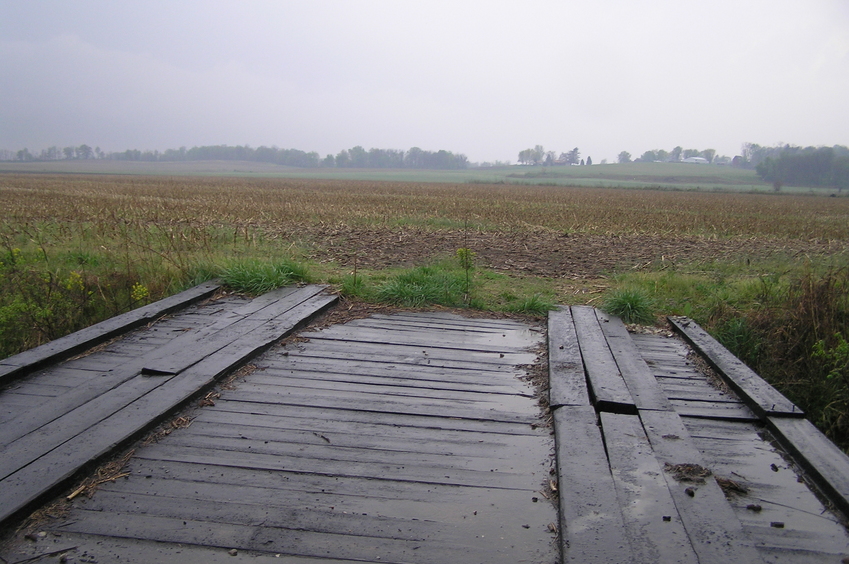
<point x="827" y="464"/>
<point x="56" y="466"/>
<point x="762" y="398"/>
<point x="65" y="347"/>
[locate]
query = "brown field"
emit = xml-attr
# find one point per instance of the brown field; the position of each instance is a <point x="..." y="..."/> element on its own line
<point x="548" y="231"/>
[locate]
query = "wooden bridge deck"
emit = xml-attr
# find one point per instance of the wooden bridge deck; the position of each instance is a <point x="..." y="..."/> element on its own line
<point x="416" y="437"/>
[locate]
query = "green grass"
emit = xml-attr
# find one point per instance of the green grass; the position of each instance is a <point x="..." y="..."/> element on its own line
<point x="254" y="276"/>
<point x="631" y="305"/>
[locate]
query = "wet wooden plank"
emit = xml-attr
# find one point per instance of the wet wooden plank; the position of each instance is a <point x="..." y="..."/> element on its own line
<point x="456" y="408"/>
<point x="399" y="376"/>
<point x="817" y="454"/>
<point x="607" y="387"/>
<point x="190" y="347"/>
<point x="103" y="389"/>
<point x="282" y="540"/>
<point x="354" y="414"/>
<point x="655" y="530"/>
<point x="692" y="389"/>
<point x="735" y="451"/>
<point x="326" y="452"/>
<point x="386" y="438"/>
<point x="82" y="547"/>
<point x="712" y="526"/>
<point x="591" y="524"/>
<point x="567" y="380"/>
<point x="641" y="384"/>
<point x="65" y="347"/>
<point x="127" y="417"/>
<point x="762" y="398"/>
<point x="428" y="355"/>
<point x="369" y="494"/>
<point x="318" y="367"/>
<point x="461" y="341"/>
<point x="412" y="356"/>
<point x="383" y="387"/>
<point x="728" y="410"/>
<point x="22" y="451"/>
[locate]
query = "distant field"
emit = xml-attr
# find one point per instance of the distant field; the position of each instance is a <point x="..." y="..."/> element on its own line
<point x="665" y="176"/>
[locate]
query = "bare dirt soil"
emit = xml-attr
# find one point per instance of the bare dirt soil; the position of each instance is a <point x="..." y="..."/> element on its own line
<point x="547" y="253"/>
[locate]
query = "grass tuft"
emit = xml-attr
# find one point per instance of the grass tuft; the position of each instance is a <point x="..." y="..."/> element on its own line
<point x="256" y="277"/>
<point x="534" y="305"/>
<point x="631" y="305"/>
<point x="422" y="286"/>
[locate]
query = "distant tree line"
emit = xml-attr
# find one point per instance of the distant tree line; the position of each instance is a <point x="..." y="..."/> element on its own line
<point x="539" y="156"/>
<point x="675" y="155"/>
<point x="805" y="166"/>
<point x="356" y="157"/>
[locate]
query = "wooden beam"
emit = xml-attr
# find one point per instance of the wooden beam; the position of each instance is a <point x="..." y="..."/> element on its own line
<point x="642" y="384"/>
<point x="607" y="387"/>
<point x="21" y="364"/>
<point x="591" y="526"/>
<point x="755" y="392"/>
<point x="567" y="380"/>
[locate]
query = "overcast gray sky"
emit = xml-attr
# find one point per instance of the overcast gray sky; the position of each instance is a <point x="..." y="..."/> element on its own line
<point x="485" y="78"/>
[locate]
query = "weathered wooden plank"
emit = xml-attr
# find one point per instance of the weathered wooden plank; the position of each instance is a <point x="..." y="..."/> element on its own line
<point x="92" y="548"/>
<point x="503" y="410"/>
<point x="437" y="356"/>
<point x="351" y="413"/>
<point x="477" y="326"/>
<point x="692" y="389"/>
<point x="762" y="398"/>
<point x="714" y="530"/>
<point x="451" y="319"/>
<point x="190" y="347"/>
<point x="655" y="530"/>
<point x="402" y="439"/>
<point x="462" y="341"/>
<point x="117" y="426"/>
<point x="337" y="451"/>
<point x="319" y="353"/>
<point x="268" y="512"/>
<point x="567" y="380"/>
<point x="306" y="378"/>
<point x="22" y="451"/>
<point x="280" y="540"/>
<point x="42" y="389"/>
<point x="826" y="463"/>
<point x="370" y="494"/>
<point x="607" y="387"/>
<point x="66" y="347"/>
<point x="714" y="410"/>
<point x="591" y="524"/>
<point x="412" y="375"/>
<point x="642" y="385"/>
<point x="380" y="386"/>
<point x="814" y="546"/>
<point x="735" y="451"/>
<point x="386" y="469"/>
